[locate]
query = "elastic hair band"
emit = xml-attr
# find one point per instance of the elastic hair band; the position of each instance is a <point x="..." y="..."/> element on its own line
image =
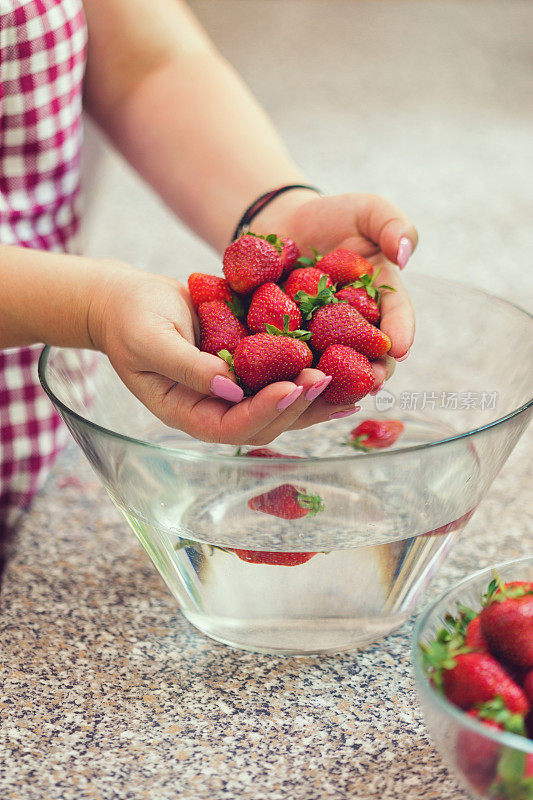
<point x="258" y="205"/>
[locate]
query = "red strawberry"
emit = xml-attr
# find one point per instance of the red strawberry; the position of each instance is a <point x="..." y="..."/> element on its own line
<point x="477" y="756"/>
<point x="266" y="452"/>
<point x="357" y="297"/>
<point x="344" y="266"/>
<point x="351" y="372"/>
<point x="268" y="307"/>
<point x="287" y="502"/>
<point x="507" y="624"/>
<point x="278" y="559"/>
<point x="305" y="279"/>
<point x="250" y="261"/>
<point x="263" y="358"/>
<point x="290" y="254"/>
<point x="203" y="288"/>
<point x="339" y="323"/>
<point x="474" y="638"/>
<point x="375" y="434"/>
<point x="476" y="678"/>
<point x="219" y="327"/>
<point x="528" y="686"/>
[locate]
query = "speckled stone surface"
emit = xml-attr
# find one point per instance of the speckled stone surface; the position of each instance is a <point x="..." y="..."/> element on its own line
<point x="107" y="692"/>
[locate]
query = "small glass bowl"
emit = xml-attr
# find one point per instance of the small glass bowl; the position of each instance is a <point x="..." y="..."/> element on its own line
<point x="479" y="756"/>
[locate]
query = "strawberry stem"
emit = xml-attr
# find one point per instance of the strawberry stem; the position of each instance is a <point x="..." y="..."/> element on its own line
<point x="298" y="334"/>
<point x="226" y="356"/>
<point x="309" y="303"/>
<point x="312" y="502"/>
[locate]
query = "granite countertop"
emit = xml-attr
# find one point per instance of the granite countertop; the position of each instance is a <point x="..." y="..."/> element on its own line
<point x="107" y="692"/>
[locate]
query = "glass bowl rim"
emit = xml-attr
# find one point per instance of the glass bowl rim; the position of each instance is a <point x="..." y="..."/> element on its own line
<point x="190" y="455"/>
<point x="506" y="738"/>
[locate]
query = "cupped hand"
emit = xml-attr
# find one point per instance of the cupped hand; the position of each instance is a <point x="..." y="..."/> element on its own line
<point x="146" y="326"/>
<point x="366" y="223"/>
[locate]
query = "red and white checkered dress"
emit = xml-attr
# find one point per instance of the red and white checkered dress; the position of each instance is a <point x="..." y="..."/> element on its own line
<point x="42" y="62"/>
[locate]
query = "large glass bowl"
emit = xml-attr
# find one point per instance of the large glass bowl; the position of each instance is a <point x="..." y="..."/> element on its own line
<point x="488" y="762"/>
<point x="390" y="516"/>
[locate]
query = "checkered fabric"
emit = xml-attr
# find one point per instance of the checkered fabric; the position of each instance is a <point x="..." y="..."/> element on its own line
<point x="42" y="61"/>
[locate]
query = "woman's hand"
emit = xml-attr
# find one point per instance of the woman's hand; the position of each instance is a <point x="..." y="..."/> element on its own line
<point x="146" y="325"/>
<point x="367" y="224"/>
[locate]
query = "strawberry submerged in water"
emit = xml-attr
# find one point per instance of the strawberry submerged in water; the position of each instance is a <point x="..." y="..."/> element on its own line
<point x="375" y="434"/>
<point x="288" y="502"/>
<point x="276" y="559"/>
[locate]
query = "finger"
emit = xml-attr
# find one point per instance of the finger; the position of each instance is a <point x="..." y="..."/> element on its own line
<point x="383" y="369"/>
<point x="397" y="315"/>
<point x="311" y="383"/>
<point x="388" y="227"/>
<point x="322" y="411"/>
<point x="170" y="355"/>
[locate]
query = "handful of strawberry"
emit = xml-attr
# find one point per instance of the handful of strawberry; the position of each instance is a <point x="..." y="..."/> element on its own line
<point x="483" y="663"/>
<point x="276" y="313"/>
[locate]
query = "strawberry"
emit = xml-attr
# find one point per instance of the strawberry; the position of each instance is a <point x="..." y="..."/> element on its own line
<point x="203" y="288"/>
<point x="478" y="677"/>
<point x="250" y="261"/>
<point x="265" y="358"/>
<point x="341" y="324"/>
<point x="305" y="279"/>
<point x="375" y="434"/>
<point x="474" y="637"/>
<point x="290" y="254"/>
<point x="477" y="755"/>
<point x="266" y="452"/>
<point x="344" y="266"/>
<point x="287" y="502"/>
<point x="507" y="623"/>
<point x="528" y="686"/>
<point x="469" y="678"/>
<point x="278" y="559"/>
<point x="269" y="305"/>
<point x="357" y="297"/>
<point x="219" y="327"/>
<point x="351" y="372"/>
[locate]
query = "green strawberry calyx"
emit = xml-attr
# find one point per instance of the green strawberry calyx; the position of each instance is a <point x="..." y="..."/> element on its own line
<point x="309" y="303"/>
<point x="367" y="282"/>
<point x="512" y="783"/>
<point x="312" y="502"/>
<point x="303" y="261"/>
<point x="298" y="334"/>
<point x="226" y="356"/>
<point x="359" y="443"/>
<point x="497" y="592"/>
<point x="235" y="306"/>
<point x="496" y="711"/>
<point x="271" y="238"/>
<point x="440" y="654"/>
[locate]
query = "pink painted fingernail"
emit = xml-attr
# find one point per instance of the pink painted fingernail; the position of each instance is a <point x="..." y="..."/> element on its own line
<point x="226" y="389"/>
<point x="405" y="249"/>
<point x="403" y="357"/>
<point x="341" y="414"/>
<point x="318" y="388"/>
<point x="377" y="389"/>
<point x="286" y="401"/>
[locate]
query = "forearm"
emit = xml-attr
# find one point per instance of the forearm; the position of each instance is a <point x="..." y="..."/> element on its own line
<point x="49" y="297"/>
<point x="190" y="126"/>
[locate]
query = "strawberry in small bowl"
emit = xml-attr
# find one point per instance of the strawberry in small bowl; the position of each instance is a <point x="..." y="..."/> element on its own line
<point x="472" y="651"/>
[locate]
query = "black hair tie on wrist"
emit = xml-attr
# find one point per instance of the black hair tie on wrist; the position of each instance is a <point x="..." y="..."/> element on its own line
<point x="258" y="205"/>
